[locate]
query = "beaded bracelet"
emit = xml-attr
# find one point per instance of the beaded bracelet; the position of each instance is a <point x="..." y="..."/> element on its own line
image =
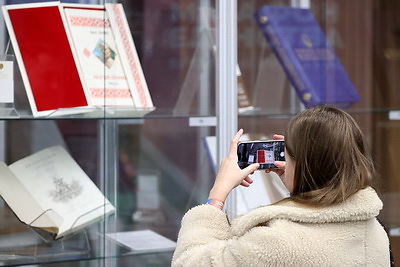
<point x="215" y="202"/>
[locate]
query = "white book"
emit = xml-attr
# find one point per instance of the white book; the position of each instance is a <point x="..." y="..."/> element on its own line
<point x="143" y="241"/>
<point x="98" y="59"/>
<point x="49" y="190"/>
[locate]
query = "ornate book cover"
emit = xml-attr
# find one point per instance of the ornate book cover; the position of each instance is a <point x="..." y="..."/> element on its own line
<point x="48" y="190"/>
<point x="93" y="43"/>
<point x="306" y="56"/>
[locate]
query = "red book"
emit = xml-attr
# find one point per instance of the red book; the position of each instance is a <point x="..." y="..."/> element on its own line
<point x="45" y="58"/>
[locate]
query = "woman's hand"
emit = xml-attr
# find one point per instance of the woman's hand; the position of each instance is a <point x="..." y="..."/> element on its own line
<point x="280" y="164"/>
<point x="230" y="175"/>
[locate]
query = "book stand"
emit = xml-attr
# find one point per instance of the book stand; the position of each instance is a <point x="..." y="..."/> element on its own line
<point x="198" y="77"/>
<point x="28" y="245"/>
<point x="34" y="243"/>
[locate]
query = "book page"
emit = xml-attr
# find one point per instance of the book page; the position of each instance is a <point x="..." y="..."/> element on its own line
<point x="143" y="241"/>
<point x="99" y="60"/>
<point x="60" y="186"/>
<point x="18" y="198"/>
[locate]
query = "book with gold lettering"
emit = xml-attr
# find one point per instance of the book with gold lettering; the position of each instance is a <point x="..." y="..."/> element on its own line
<point x="49" y="191"/>
<point x="306" y="56"/>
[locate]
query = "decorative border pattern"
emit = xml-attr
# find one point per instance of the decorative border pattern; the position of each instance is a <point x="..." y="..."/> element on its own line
<point x="89" y="22"/>
<point x="110" y="93"/>
<point x="130" y="56"/>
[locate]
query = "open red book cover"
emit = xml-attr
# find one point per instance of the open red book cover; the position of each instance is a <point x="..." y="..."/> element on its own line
<point x="45" y="57"/>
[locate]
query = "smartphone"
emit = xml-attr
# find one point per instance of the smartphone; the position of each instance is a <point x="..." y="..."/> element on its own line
<point x="262" y="152"/>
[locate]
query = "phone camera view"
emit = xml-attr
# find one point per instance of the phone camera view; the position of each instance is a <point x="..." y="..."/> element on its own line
<point x="264" y="153"/>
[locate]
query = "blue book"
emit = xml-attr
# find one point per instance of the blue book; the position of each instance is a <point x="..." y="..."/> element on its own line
<point x="306" y="56"/>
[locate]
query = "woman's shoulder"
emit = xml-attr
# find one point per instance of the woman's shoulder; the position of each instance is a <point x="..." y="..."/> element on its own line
<point x="363" y="205"/>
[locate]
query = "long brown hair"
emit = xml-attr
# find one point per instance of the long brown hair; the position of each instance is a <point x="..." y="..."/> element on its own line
<point x="330" y="157"/>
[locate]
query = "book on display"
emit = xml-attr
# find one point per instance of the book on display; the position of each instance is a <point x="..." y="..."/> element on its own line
<point x="306" y="56"/>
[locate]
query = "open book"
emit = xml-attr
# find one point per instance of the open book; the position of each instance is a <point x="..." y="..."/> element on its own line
<point x="48" y="190"/>
<point x="76" y="58"/>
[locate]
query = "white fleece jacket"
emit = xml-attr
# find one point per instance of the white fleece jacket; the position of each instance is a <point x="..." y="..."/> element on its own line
<point x="286" y="234"/>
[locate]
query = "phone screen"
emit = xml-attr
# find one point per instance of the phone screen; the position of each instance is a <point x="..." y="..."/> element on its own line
<point x="262" y="152"/>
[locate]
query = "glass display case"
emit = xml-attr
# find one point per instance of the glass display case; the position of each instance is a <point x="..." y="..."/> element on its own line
<point x="209" y="70"/>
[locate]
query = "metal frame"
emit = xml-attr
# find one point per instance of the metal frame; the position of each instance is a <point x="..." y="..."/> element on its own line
<point x="227" y="115"/>
<point x="2" y="52"/>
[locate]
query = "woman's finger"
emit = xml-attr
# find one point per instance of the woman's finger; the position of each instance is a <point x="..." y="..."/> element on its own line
<point x="234" y="143"/>
<point x="248" y="180"/>
<point x="279" y="137"/>
<point x="280" y="164"/>
<point x="244" y="183"/>
<point x="251" y="168"/>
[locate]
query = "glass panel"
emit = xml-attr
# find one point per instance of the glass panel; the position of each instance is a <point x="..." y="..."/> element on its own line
<point x="175" y="41"/>
<point x="22" y="244"/>
<point x="164" y="170"/>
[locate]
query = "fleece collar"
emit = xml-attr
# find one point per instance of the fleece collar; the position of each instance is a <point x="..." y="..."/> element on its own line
<point x="363" y="205"/>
